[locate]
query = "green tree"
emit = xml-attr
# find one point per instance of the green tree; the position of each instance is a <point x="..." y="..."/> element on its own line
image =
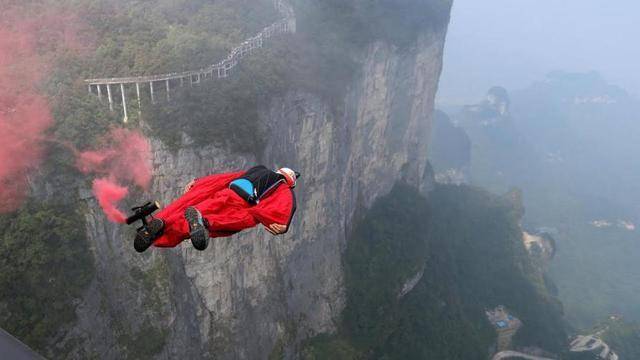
<point x="45" y="264"/>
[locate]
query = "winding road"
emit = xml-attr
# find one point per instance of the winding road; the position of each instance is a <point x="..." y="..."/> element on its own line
<point x="516" y="355"/>
<point x="592" y="343"/>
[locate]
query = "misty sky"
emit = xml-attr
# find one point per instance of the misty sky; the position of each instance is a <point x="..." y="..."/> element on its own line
<point x="515" y="42"/>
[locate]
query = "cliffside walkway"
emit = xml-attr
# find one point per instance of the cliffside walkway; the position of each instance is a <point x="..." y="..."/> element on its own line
<point x="218" y="70"/>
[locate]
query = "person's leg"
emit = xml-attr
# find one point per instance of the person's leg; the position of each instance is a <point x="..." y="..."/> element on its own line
<point x="176" y="231"/>
<point x="226" y="212"/>
<point x="169" y="227"/>
<point x="194" y="196"/>
<point x="198" y="231"/>
<point x="146" y="235"/>
<point x="196" y="224"/>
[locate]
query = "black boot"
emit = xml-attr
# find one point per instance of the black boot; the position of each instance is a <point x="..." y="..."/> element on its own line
<point x="197" y="228"/>
<point x="148" y="234"/>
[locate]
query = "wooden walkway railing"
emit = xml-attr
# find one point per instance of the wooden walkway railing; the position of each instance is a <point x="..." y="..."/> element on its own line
<point x="220" y="70"/>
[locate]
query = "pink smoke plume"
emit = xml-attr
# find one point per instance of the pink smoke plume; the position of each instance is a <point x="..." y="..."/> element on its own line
<point x="21" y="131"/>
<point x="109" y="195"/>
<point x="27" y="47"/>
<point x="124" y="157"/>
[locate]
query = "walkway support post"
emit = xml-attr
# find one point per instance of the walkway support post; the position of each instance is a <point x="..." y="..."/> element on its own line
<point x="124" y="104"/>
<point x="110" y="97"/>
<point x="139" y="102"/>
<point x="168" y="90"/>
<point x="153" y="99"/>
<point x="99" y="92"/>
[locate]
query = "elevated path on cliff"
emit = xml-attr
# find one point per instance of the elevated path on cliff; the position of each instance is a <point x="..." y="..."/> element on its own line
<point x="222" y="69"/>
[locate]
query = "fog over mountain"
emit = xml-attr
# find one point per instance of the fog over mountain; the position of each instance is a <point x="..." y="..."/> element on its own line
<point x="503" y="224"/>
<point x="513" y="43"/>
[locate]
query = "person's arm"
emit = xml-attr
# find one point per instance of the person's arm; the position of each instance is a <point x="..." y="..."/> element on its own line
<point x="276" y="211"/>
<point x="189" y="186"/>
<point x="277" y="229"/>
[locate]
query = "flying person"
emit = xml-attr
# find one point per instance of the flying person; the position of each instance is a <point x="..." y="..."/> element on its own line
<point x="222" y="205"/>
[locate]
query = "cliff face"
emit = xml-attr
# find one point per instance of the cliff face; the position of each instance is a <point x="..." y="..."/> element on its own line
<point x="449" y="151"/>
<point x="253" y="294"/>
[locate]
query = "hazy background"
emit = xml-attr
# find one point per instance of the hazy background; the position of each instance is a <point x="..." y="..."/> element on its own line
<point x="512" y="43"/>
<point x="568" y="141"/>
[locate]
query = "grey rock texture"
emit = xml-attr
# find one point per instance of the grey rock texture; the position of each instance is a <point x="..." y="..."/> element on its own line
<point x="251" y="295"/>
<point x="449" y="151"/>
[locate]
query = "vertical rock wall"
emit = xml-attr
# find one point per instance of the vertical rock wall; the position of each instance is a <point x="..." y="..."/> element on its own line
<point x="253" y="294"/>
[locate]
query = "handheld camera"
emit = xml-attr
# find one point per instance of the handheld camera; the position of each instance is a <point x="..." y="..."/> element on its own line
<point x="143" y="212"/>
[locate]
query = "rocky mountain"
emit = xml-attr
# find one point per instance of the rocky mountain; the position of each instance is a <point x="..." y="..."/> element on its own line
<point x="449" y="151"/>
<point x="565" y="142"/>
<point x="253" y="294"/>
<point x="379" y="262"/>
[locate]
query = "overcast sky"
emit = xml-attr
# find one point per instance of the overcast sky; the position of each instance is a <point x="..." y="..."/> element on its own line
<point x="515" y="42"/>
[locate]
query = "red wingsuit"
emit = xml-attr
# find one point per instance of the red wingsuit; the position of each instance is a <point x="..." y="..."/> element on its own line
<point x="226" y="212"/>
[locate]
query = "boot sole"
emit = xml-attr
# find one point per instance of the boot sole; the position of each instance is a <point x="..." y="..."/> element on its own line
<point x="145" y="237"/>
<point x="198" y="232"/>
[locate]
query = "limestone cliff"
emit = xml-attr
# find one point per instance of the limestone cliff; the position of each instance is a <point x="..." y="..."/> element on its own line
<point x="253" y="295"/>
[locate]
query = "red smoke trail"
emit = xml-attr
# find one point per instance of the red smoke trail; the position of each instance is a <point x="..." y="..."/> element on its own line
<point x="21" y="128"/>
<point x="24" y="117"/>
<point x="28" y="45"/>
<point x="125" y="157"/>
<point x="109" y="195"/>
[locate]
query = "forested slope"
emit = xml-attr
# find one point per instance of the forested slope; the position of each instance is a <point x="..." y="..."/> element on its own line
<point x="468" y="244"/>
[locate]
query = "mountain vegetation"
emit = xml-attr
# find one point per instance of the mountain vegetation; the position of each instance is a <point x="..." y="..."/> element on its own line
<point x="622" y="336"/>
<point x="133" y="38"/>
<point x="463" y="242"/>
<point x="45" y="258"/>
<point x="468" y="244"/>
<point x="45" y="264"/>
<point x="568" y="143"/>
<point x="359" y="22"/>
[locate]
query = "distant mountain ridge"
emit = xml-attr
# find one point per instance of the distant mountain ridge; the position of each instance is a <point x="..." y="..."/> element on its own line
<point x="570" y="142"/>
